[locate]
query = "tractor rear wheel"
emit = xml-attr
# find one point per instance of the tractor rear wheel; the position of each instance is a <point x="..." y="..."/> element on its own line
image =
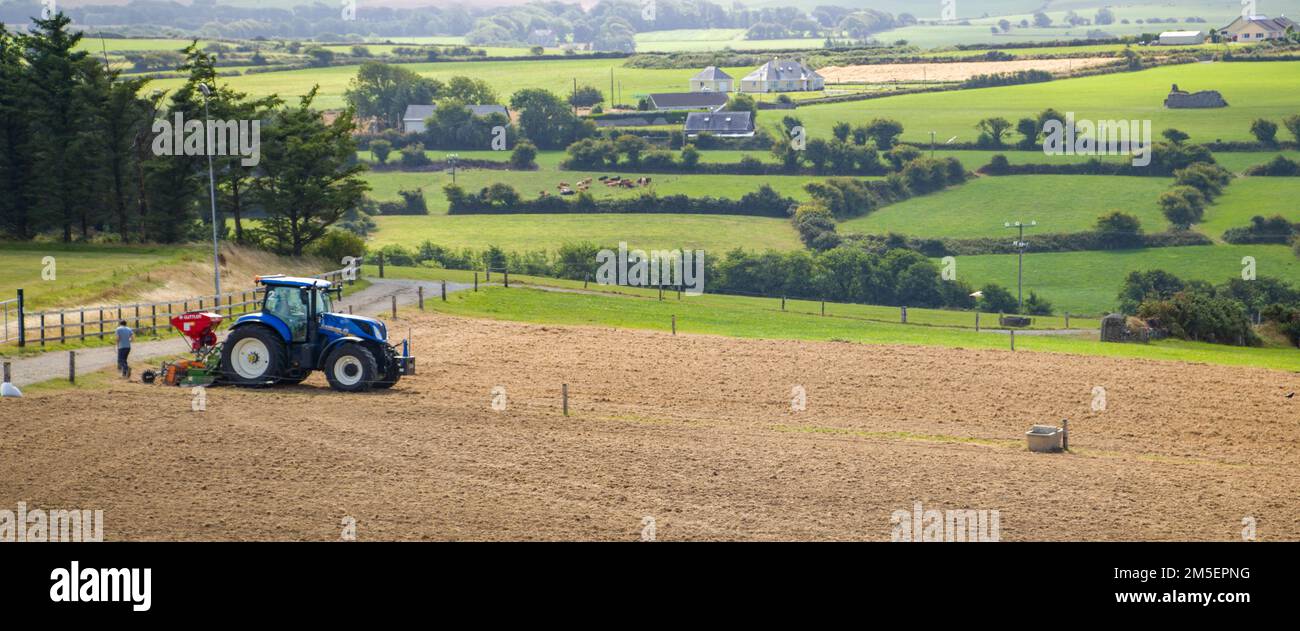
<point x="351" y="368"/>
<point x="253" y="356"/>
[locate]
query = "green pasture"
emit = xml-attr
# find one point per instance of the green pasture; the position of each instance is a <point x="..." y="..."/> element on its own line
<point x="1250" y="196"/>
<point x="82" y="272"/>
<point x="979" y="208"/>
<point x="1089" y="282"/>
<point x="519" y="233"/>
<point x="1252" y="89"/>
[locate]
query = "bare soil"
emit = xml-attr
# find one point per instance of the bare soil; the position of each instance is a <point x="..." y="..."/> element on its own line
<point x="696" y="432"/>
<point x="960" y="71"/>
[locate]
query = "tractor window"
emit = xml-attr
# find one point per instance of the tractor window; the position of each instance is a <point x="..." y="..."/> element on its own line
<point x="286" y="303"/>
<point x="323" y="304"/>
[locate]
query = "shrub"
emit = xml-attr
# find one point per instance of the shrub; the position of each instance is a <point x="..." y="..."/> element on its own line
<point x="337" y="244"/>
<point x="1182" y="206"/>
<point x="413" y="156"/>
<point x="1209" y="179"/>
<point x="1034" y="305"/>
<point x="524" y="155"/>
<point x="381" y="148"/>
<point x="996" y="299"/>
<point x="1276" y="229"/>
<point x="1199" y="316"/>
<point x="1280" y="166"/>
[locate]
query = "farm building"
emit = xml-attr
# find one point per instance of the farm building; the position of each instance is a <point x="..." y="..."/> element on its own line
<point x="782" y="75"/>
<point x="1257" y="28"/>
<point x="1182" y="38"/>
<point x="721" y="124"/>
<point x="711" y="79"/>
<point x="413" y="119"/>
<point x="711" y="101"/>
<point x="1179" y="99"/>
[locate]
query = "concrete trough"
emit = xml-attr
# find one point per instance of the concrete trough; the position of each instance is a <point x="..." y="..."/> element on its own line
<point x="1045" y="438"/>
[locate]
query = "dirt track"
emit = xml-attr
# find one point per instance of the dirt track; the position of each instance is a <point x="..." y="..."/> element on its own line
<point x="695" y="431"/>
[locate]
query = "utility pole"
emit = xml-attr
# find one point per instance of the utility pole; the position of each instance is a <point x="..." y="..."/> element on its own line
<point x="212" y="191"/>
<point x="1021" y="245"/>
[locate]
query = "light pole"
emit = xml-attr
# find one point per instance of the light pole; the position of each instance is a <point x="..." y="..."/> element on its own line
<point x="212" y="193"/>
<point x="451" y="159"/>
<point x="1021" y="245"/>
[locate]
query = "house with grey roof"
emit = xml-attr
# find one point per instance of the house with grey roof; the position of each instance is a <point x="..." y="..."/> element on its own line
<point x="1257" y="28"/>
<point x="782" y="75"/>
<point x="711" y="101"/>
<point x="712" y="79"/>
<point x="721" y="124"/>
<point x="413" y="119"/>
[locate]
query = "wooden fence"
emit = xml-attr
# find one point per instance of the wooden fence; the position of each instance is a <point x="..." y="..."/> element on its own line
<point x="64" y="325"/>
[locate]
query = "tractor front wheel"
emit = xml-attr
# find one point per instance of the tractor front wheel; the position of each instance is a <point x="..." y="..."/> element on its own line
<point x="252" y="356"/>
<point x="351" y="368"/>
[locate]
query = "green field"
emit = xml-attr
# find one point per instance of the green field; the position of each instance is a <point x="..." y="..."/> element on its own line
<point x="385" y="184"/>
<point x="82" y="272"/>
<point x="1251" y="196"/>
<point x="1088" y="282"/>
<point x="749" y="318"/>
<point x="715" y="233"/>
<point x="1059" y="203"/>
<point x="1253" y="90"/>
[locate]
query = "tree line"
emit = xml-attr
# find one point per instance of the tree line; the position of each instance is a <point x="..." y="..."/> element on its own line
<point x="83" y="153"/>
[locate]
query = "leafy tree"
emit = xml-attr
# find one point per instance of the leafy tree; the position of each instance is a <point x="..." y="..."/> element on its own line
<point x="548" y="121"/>
<point x="310" y="175"/>
<point x="996" y="299"/>
<point x="1264" y="130"/>
<point x="382" y="91"/>
<point x="995" y="128"/>
<point x="885" y="132"/>
<point x="586" y="96"/>
<point x="841" y="131"/>
<point x="1292" y="124"/>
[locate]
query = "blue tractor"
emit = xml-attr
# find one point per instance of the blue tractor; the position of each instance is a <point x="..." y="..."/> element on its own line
<point x="297" y="332"/>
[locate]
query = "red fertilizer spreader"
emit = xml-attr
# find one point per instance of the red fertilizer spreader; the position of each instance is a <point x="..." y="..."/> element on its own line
<point x="199" y="329"/>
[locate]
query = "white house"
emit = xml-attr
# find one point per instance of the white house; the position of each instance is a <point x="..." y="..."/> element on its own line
<point x="413" y="119"/>
<point x="782" y="75"/>
<point x="1182" y="38"/>
<point x="1257" y="28"/>
<point x="712" y="79"/>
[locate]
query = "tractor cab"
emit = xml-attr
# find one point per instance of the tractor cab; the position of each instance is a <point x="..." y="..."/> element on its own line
<point x="297" y="332"/>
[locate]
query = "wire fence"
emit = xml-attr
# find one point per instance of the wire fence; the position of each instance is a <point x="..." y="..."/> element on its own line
<point x="59" y="326"/>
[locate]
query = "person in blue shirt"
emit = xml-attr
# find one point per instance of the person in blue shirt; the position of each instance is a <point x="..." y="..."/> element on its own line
<point x="124" y="337"/>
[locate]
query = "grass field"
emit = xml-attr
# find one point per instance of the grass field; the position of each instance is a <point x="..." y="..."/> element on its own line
<point x="724" y="315"/>
<point x="81" y="271"/>
<point x="981" y="206"/>
<point x="1253" y="90"/>
<point x="715" y="233"/>
<point x="1251" y="196"/>
<point x="385" y="184"/>
<point x="1088" y="282"/>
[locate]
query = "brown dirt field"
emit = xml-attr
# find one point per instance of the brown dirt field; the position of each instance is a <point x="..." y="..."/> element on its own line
<point x="695" y="431"/>
<point x="960" y="71"/>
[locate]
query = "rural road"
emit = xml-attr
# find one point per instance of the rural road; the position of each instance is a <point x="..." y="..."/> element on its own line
<point x="375" y="300"/>
<point x="371" y="301"/>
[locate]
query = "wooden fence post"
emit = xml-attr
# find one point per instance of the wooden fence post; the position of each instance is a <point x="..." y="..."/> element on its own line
<point x="823" y="307"/>
<point x="674" y="324"/>
<point x="72" y="366"/>
<point x="783" y="303"/>
<point x="22" y="325"/>
<point x="42" y="330"/>
<point x="506" y="272"/>
<point x="62" y="330"/>
<point x="1013" y="339"/>
<point x="381" y="264"/>
<point x="977" y="322"/>
<point x="902" y="311"/>
<point x="564" y="389"/>
<point x="475" y="281"/>
<point x="419" y="292"/>
<point x="1067" y="319"/>
<point x="444" y="291"/>
<point x="394" y="307"/>
<point x="101" y="324"/>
